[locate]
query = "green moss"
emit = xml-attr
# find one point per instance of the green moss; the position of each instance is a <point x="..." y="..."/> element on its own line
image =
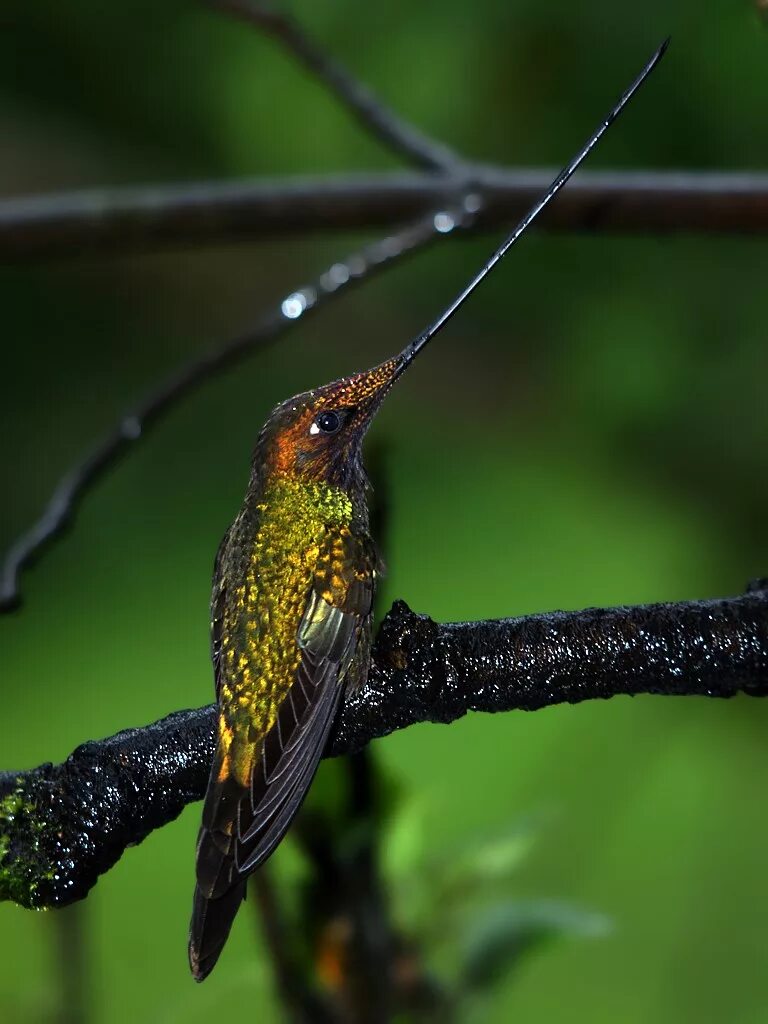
<point x="20" y="833"/>
<point x="12" y="804"/>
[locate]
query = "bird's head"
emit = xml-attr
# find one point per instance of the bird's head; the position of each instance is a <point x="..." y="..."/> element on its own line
<point x="318" y="435"/>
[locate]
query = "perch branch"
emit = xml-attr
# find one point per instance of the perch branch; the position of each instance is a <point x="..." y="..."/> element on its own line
<point x="152" y="217"/>
<point x="302" y="1003"/>
<point x="61" y="826"/>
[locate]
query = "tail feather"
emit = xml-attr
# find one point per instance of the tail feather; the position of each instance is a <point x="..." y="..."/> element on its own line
<point x="220" y="889"/>
<point x="211" y="922"/>
<point x="215" y="864"/>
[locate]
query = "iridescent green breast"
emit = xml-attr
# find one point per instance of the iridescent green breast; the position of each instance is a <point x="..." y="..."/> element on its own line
<point x="273" y="559"/>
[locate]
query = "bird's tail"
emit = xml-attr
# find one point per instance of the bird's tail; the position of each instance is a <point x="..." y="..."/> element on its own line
<point x="220" y="887"/>
<point x="211" y="921"/>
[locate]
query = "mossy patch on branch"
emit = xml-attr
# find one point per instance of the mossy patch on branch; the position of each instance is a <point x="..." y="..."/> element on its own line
<point x="21" y="870"/>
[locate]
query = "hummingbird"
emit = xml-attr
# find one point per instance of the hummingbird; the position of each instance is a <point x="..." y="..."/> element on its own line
<point x="291" y="611"/>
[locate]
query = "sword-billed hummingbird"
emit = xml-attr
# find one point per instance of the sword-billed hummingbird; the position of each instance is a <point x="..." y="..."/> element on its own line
<point x="293" y="588"/>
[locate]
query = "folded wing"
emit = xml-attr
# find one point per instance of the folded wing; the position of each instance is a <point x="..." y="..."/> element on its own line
<point x="242" y="825"/>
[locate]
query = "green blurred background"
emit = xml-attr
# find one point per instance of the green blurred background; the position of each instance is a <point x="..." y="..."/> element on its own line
<point x="591" y="430"/>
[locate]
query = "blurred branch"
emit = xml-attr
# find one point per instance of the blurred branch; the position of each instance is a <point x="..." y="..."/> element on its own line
<point x="369" y="970"/>
<point x="133" y="427"/>
<point x="210" y="213"/>
<point x="396" y="134"/>
<point x="73" y="963"/>
<point x="299" y="999"/>
<point x="344" y="912"/>
<point x="61" y="826"/>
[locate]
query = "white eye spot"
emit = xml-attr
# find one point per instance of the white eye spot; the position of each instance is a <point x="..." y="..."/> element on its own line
<point x="314" y="429"/>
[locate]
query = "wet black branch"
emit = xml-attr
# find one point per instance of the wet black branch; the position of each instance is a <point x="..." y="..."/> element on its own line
<point x="61" y="826"/>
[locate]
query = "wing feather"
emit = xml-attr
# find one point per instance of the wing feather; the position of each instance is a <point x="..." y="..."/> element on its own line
<point x="242" y="825"/>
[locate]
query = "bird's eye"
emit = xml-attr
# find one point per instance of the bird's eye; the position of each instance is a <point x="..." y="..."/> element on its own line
<point x="327" y="422"/>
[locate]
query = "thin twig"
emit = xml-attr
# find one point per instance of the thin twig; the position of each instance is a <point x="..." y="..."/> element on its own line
<point x="73" y="963"/>
<point x="374" y="987"/>
<point x="61" y="826"/>
<point x="78" y="481"/>
<point x="390" y="966"/>
<point x="344" y="910"/>
<point x="396" y="134"/>
<point x="297" y="994"/>
<point x="157" y="217"/>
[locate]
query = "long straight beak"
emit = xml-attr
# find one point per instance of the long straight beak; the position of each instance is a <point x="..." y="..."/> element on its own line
<point x="409" y="353"/>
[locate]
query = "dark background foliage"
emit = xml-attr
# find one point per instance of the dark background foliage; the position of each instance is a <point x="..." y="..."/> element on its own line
<point x="591" y="430"/>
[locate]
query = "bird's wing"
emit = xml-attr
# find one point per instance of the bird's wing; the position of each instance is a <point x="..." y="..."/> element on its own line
<point x="337" y="613"/>
<point x="218" y="601"/>
<point x="242" y="826"/>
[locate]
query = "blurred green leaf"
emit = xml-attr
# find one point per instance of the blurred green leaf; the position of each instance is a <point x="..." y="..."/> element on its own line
<point x="501" y="935"/>
<point x="490" y="862"/>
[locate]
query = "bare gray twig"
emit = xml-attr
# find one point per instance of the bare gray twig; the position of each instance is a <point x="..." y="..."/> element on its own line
<point x="381" y="122"/>
<point x="155" y="217"/>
